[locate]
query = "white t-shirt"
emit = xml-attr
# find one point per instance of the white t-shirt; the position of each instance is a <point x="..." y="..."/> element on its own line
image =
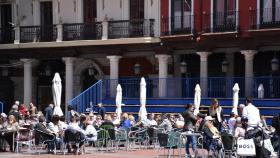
<point x="252" y="113"/>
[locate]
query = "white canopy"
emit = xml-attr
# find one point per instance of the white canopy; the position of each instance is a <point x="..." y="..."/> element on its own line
<point x="235" y="98"/>
<point x="119" y="101"/>
<point x="57" y="90"/>
<point x="197" y="98"/>
<point x="143" y="111"/>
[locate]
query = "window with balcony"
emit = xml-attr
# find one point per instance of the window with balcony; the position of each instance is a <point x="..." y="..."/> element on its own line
<point x="224" y="15"/>
<point x="181" y="18"/>
<point x="269" y="13"/>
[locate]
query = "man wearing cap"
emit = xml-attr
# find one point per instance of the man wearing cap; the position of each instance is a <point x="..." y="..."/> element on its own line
<point x="190" y="120"/>
<point x="251" y="113"/>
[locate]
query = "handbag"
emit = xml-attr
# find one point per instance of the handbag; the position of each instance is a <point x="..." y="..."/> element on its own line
<point x="246" y="147"/>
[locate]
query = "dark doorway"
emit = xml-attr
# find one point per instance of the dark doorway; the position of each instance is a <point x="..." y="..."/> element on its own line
<point x="46" y="21"/>
<point x="89" y="78"/>
<point x="6" y="24"/>
<point x="6" y="92"/>
<point x="89" y="11"/>
<point x="136" y="18"/>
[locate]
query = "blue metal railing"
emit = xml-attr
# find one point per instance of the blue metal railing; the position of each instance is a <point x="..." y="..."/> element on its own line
<point x="218" y="87"/>
<point x="88" y="98"/>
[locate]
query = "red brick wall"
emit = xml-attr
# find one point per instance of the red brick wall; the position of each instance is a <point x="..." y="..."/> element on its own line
<point x="126" y="66"/>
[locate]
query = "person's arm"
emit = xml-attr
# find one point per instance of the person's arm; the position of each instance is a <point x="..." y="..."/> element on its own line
<point x="245" y="113"/>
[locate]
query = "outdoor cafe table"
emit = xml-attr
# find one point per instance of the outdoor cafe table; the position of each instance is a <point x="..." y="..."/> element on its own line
<point x="3" y="132"/>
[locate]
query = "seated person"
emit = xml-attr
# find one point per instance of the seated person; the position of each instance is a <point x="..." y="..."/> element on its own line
<point x="166" y="123"/>
<point x="74" y="129"/>
<point x="90" y="133"/>
<point x="10" y="130"/>
<point x="107" y="121"/>
<point x="42" y="126"/>
<point x="125" y="123"/>
<point x="239" y="128"/>
<point x="212" y="140"/>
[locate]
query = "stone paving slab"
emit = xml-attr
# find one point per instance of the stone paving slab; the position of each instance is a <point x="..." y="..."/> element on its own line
<point x="150" y="153"/>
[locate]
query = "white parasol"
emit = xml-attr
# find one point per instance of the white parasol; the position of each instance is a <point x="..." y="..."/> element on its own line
<point x="261" y="91"/>
<point x="57" y="90"/>
<point x="235" y="98"/>
<point x="119" y="101"/>
<point x="143" y="111"/>
<point x="197" y="98"/>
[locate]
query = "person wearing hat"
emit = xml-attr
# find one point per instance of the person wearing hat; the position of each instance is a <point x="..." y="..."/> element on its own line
<point x="211" y="134"/>
<point x="190" y="120"/>
<point x="101" y="110"/>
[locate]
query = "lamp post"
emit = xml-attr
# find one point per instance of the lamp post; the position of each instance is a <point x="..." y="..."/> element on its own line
<point x="90" y="71"/>
<point x="274" y="64"/>
<point x="183" y="70"/>
<point x="225" y="65"/>
<point x="183" y="67"/>
<point x="137" y="69"/>
<point x="274" y="69"/>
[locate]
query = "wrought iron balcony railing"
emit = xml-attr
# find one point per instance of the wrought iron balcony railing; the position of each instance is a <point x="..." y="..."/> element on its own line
<point x="222" y="22"/>
<point x="7" y="35"/>
<point x="82" y="31"/>
<point x="265" y="18"/>
<point x="130" y="28"/>
<point x="43" y="33"/>
<point x="177" y="25"/>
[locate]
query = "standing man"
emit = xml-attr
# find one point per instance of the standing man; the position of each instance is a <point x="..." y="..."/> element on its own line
<point x="101" y="110"/>
<point x="251" y="113"/>
<point x="49" y="113"/>
<point x="190" y="120"/>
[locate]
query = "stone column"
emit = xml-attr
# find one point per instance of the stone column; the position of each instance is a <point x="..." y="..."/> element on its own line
<point x="177" y="82"/>
<point x="249" y="73"/>
<point x="162" y="73"/>
<point x="114" y="73"/>
<point x="27" y="81"/>
<point x="105" y="30"/>
<point x="69" y="66"/>
<point x="204" y="73"/>
<point x="17" y="35"/>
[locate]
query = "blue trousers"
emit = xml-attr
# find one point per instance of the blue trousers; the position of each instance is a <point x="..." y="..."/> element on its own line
<point x="191" y="140"/>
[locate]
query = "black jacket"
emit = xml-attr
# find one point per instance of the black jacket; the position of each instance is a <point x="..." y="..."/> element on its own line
<point x="190" y="120"/>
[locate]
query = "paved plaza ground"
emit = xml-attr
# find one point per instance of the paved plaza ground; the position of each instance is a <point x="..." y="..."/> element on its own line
<point x="90" y="153"/>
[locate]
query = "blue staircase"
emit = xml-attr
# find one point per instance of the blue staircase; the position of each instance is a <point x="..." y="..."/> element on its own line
<point x="88" y="98"/>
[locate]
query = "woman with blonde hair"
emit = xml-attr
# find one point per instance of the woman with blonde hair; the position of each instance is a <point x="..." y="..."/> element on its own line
<point x="11" y="128"/>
